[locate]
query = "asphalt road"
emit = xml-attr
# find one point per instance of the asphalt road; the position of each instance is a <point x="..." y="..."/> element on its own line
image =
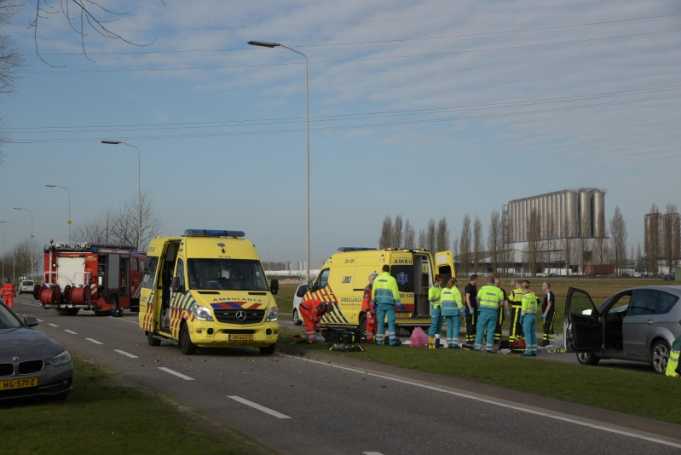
<point x="298" y="406"/>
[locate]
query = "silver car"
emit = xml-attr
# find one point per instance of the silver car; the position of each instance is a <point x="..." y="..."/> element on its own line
<point x="31" y="363"/>
<point x="638" y="324"/>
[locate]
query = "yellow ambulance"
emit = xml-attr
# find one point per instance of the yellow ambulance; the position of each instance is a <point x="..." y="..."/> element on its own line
<point x="345" y="274"/>
<point x="207" y="288"/>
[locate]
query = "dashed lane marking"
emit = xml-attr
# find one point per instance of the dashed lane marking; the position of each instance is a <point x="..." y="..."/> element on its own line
<point x="567" y="418"/>
<point x="52" y="324"/>
<point x="126" y="354"/>
<point x="92" y="340"/>
<point x="176" y="373"/>
<point x="70" y="332"/>
<point x="259" y="407"/>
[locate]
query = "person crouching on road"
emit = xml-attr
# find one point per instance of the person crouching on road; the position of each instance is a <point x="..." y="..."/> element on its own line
<point x="529" y="320"/>
<point x="434" y="294"/>
<point x="489" y="300"/>
<point x="369" y="310"/>
<point x="385" y="295"/>
<point x="452" y="310"/>
<point x="548" y="310"/>
<point x="673" y="367"/>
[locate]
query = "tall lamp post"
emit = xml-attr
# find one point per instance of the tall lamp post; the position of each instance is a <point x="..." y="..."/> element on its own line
<point x="69" y="221"/>
<point x="139" y="183"/>
<point x="2" y="239"/>
<point x="272" y="45"/>
<point x="31" y="236"/>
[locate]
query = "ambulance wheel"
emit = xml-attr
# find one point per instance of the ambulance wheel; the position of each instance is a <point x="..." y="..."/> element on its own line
<point x="152" y="340"/>
<point x="268" y="350"/>
<point x="185" y="342"/>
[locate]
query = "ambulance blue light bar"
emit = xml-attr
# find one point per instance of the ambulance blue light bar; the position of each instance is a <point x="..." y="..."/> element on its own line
<point x="213" y="233"/>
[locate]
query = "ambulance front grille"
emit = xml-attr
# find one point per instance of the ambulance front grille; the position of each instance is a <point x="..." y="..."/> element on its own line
<point x="239" y="316"/>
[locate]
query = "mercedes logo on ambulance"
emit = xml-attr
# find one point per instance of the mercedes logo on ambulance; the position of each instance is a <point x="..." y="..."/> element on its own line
<point x="240" y="316"/>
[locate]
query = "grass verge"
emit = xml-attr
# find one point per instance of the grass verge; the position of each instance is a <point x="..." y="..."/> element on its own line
<point x="617" y="389"/>
<point x="104" y="418"/>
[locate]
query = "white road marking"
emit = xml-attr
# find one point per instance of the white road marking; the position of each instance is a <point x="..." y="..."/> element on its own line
<point x="126" y="354"/>
<point x="372" y="453"/>
<point x="70" y="331"/>
<point x="614" y="429"/>
<point x="92" y="340"/>
<point x="259" y="407"/>
<point x="176" y="373"/>
<point x="125" y="320"/>
<point x="39" y="320"/>
<point x="52" y="324"/>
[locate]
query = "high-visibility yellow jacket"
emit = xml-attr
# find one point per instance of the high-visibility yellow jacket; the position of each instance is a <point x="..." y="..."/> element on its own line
<point x="516" y="296"/>
<point x="451" y="301"/>
<point x="529" y="304"/>
<point x="385" y="290"/>
<point x="673" y="363"/>
<point x="434" y="294"/>
<point x="490" y="296"/>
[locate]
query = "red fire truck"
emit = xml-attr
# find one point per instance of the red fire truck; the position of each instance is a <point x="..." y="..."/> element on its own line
<point x="103" y="278"/>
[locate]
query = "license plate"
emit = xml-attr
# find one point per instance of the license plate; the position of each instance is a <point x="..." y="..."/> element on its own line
<point x="240" y="338"/>
<point x="23" y="383"/>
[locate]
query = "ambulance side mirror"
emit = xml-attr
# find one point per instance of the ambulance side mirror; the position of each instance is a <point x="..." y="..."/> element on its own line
<point x="274" y="286"/>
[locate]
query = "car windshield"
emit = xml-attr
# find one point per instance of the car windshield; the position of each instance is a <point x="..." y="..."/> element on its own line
<point x="226" y="275"/>
<point x="27" y="283"/>
<point x="8" y="320"/>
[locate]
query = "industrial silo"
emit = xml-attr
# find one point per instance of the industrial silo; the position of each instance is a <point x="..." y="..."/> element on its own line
<point x="586" y="214"/>
<point x="599" y="214"/>
<point x="571" y="206"/>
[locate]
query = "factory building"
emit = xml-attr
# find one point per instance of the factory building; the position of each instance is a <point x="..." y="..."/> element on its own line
<point x="662" y="240"/>
<point x="568" y="230"/>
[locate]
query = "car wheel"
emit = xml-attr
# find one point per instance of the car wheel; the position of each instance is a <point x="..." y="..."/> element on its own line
<point x="659" y="356"/>
<point x="296" y="318"/>
<point x="152" y="340"/>
<point x="185" y="342"/>
<point x="268" y="350"/>
<point x="588" y="358"/>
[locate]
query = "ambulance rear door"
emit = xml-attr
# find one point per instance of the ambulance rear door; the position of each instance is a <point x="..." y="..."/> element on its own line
<point x="444" y="264"/>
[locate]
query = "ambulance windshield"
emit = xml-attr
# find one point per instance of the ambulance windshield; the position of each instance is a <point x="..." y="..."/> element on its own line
<point x="226" y="275"/>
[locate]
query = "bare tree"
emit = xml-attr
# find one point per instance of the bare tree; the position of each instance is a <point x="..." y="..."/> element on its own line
<point x="495" y="235"/>
<point x="652" y="239"/>
<point x="386" y="239"/>
<point x="422" y="240"/>
<point x="397" y="232"/>
<point x="533" y="237"/>
<point x="409" y="236"/>
<point x="442" y="236"/>
<point x="477" y="244"/>
<point x="465" y="244"/>
<point x="9" y="57"/>
<point x="430" y="235"/>
<point x="618" y="230"/>
<point x="83" y="17"/>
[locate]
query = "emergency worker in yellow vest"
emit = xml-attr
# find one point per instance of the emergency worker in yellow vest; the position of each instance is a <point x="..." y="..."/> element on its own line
<point x="435" y="311"/>
<point x="528" y="316"/>
<point x="452" y="311"/>
<point x="489" y="301"/>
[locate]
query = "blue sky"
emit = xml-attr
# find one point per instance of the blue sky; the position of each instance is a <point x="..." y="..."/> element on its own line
<point x="423" y="108"/>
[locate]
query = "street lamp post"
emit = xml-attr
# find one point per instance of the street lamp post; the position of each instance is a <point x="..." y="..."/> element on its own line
<point x="272" y="45"/>
<point x="69" y="221"/>
<point x="31" y="236"/>
<point x="139" y="184"/>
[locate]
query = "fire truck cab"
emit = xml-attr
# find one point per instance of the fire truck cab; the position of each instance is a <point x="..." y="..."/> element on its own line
<point x="102" y="278"/>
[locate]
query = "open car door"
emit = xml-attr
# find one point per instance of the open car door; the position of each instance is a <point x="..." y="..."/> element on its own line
<point x="585" y="332"/>
<point x="444" y="264"/>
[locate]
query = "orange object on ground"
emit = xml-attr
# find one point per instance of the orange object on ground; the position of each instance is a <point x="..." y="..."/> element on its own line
<point x="8" y="294"/>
